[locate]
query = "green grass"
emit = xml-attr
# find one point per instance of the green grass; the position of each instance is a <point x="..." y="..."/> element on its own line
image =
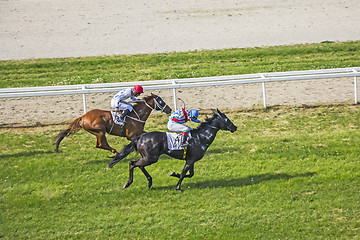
<point x="287" y="173"/>
<point x="125" y="68"/>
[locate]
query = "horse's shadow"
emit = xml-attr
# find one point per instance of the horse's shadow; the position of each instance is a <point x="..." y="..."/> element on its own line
<point x="239" y="182"/>
<point x="24" y="154"/>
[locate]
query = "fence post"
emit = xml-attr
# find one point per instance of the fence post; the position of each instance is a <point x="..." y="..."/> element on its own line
<point x="174" y="95"/>
<point x="264" y="90"/>
<point x="355" y="90"/>
<point x="84" y="98"/>
<point x="355" y="87"/>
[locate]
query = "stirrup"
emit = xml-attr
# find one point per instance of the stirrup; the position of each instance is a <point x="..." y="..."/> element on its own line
<point x="120" y="119"/>
<point x="185" y="143"/>
<point x="124" y="114"/>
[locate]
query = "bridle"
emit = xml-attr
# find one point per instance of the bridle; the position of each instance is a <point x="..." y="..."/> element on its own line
<point x="158" y="106"/>
<point x="214" y="126"/>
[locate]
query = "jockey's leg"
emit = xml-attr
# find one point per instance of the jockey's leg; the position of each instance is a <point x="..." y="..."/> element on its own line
<point x="124" y="113"/>
<point x="177" y="127"/>
<point x="184" y="142"/>
<point x="126" y="107"/>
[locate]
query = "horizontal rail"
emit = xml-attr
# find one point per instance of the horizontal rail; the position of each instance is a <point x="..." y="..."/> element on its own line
<point x="186" y="83"/>
<point x="180" y="83"/>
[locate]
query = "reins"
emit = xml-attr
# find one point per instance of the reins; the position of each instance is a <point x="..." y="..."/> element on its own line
<point x="138" y="117"/>
<point x="213" y="127"/>
<point x="157" y="105"/>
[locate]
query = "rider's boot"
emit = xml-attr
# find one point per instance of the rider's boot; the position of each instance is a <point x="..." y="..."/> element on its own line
<point x="184" y="142"/>
<point x="124" y="113"/>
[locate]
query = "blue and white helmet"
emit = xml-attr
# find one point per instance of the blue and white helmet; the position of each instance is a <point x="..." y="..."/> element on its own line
<point x="194" y="114"/>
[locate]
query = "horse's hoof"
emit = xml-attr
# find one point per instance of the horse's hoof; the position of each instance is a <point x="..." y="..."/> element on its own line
<point x="177" y="188"/>
<point x="149" y="184"/>
<point x="174" y="175"/>
<point x="110" y="164"/>
<point x="126" y="185"/>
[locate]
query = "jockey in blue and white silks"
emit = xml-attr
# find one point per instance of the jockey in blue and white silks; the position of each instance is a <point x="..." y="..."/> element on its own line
<point x="118" y="101"/>
<point x="178" y="118"/>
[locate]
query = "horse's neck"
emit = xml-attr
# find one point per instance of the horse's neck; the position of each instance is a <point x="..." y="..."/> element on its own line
<point x="207" y="134"/>
<point x="143" y="111"/>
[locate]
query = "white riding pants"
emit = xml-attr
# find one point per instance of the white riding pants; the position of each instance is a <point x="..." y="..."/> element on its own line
<point x="177" y="127"/>
<point x="121" y="105"/>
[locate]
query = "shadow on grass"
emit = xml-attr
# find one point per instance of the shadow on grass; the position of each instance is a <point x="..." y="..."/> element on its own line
<point x="108" y="159"/>
<point x="238" y="182"/>
<point x="24" y="154"/>
<point x="35" y="125"/>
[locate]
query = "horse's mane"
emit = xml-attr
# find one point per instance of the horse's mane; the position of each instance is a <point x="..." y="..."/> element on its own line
<point x="146" y="98"/>
<point x="207" y="122"/>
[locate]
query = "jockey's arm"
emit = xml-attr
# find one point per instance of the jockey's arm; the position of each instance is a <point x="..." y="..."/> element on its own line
<point x="134" y="99"/>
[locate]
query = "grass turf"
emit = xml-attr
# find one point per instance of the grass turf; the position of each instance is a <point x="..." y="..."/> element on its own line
<point x="288" y="173"/>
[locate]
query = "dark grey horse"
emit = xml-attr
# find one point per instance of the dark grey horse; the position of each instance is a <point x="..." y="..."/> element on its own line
<point x="152" y="144"/>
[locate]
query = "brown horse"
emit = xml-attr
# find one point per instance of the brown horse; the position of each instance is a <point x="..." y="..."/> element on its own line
<point x="100" y="122"/>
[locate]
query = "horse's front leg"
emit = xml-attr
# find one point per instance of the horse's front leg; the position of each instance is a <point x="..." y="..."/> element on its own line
<point x="131" y="174"/>
<point x="191" y="171"/>
<point x="186" y="168"/>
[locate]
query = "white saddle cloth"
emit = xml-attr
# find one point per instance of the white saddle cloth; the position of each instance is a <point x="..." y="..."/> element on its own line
<point x="174" y="141"/>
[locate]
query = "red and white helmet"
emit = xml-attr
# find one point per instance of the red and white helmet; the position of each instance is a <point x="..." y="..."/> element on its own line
<point x="138" y="89"/>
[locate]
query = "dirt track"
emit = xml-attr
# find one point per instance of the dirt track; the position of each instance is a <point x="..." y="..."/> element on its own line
<point x="50" y="28"/>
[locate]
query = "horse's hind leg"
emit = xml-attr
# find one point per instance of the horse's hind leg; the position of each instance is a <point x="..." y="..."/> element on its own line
<point x="101" y="141"/>
<point x="141" y="164"/>
<point x="147" y="175"/>
<point x="131" y="174"/>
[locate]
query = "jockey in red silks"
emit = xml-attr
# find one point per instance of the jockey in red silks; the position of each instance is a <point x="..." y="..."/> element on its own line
<point x="178" y="118"/>
<point x="118" y="101"/>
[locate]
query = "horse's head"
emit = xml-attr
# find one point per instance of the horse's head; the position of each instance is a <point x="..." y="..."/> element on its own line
<point x="224" y="122"/>
<point x="160" y="105"/>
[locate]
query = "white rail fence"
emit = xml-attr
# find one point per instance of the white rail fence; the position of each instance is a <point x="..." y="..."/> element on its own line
<point x="174" y="84"/>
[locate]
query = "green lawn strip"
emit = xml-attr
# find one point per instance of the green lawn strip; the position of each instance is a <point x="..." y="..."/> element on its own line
<point x="143" y="67"/>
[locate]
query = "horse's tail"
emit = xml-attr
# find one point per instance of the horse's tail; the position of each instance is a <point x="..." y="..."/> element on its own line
<point x="131" y="147"/>
<point x="74" y="127"/>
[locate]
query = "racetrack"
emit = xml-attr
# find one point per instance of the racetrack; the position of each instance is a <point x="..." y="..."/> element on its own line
<point x="52" y="29"/>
